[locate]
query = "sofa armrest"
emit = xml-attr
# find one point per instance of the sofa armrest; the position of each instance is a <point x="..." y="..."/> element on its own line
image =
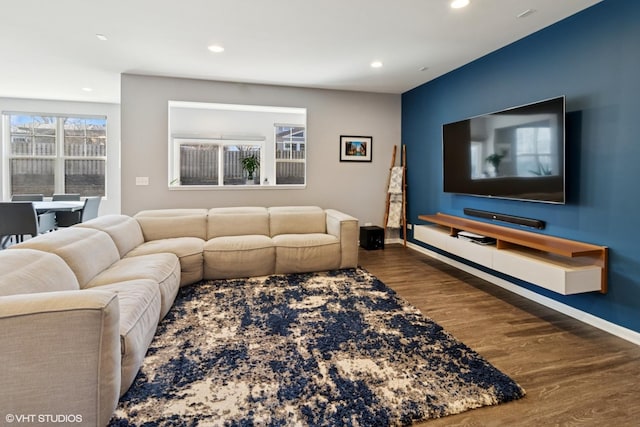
<point x="344" y="227"/>
<point x="60" y="355"/>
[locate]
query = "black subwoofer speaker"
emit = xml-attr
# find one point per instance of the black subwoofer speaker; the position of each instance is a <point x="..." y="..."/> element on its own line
<point x="371" y="237"/>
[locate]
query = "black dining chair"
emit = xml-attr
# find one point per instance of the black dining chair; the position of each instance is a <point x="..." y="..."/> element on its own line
<point x="59" y="197"/>
<point x="19" y="219"/>
<point x="89" y="211"/>
<point x="65" y="219"/>
<point x="27" y="197"/>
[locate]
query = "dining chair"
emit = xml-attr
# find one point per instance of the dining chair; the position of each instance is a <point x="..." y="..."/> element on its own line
<point x="27" y="197"/>
<point x="66" y="197"/>
<point x="91" y="206"/>
<point x="19" y="219"/>
<point x="88" y="211"/>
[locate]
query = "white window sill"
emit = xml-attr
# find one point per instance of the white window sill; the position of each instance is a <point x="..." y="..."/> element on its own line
<point x="237" y="187"/>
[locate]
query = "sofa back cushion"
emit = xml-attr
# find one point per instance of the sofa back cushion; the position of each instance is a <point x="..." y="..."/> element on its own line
<point x="237" y="222"/>
<point x="28" y="271"/>
<point x="86" y="251"/>
<point x="170" y="223"/>
<point x="124" y="231"/>
<point x="296" y="220"/>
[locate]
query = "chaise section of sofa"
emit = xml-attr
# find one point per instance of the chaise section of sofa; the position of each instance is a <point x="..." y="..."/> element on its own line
<point x="60" y="344"/>
<point x="140" y="305"/>
<point x="146" y="286"/>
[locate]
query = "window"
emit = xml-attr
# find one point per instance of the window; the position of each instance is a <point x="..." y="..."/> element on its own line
<point x="533" y="151"/>
<point x="290" y="154"/>
<point x="215" y="162"/>
<point x="220" y="145"/>
<point x="56" y="154"/>
<point x="198" y="163"/>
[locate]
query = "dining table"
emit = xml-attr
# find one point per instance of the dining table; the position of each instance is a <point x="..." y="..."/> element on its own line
<point x="58" y="206"/>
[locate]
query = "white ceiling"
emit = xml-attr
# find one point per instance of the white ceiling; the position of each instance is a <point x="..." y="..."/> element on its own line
<point x="49" y="49"/>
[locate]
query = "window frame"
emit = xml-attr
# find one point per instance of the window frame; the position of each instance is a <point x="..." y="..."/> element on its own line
<point x="198" y="130"/>
<point x="175" y="165"/>
<point x="290" y="159"/>
<point x="537" y="153"/>
<point x="59" y="157"/>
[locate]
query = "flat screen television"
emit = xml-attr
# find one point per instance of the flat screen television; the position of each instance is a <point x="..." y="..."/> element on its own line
<point x="516" y="153"/>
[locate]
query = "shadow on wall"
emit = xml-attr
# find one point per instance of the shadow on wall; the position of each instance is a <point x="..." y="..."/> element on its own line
<point x="573" y="138"/>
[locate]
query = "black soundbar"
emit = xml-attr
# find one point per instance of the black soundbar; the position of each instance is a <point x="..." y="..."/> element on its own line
<point x="527" y="222"/>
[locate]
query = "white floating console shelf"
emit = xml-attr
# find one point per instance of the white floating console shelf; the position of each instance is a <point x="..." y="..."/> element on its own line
<point x="560" y="265"/>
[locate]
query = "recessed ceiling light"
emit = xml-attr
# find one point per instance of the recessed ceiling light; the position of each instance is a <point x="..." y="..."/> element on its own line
<point x="376" y="64"/>
<point x="87" y="89"/>
<point x="457" y="4"/>
<point x="216" y="48"/>
<point x="101" y="37"/>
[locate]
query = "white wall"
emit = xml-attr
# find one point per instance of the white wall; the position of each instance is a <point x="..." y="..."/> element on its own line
<point x="356" y="188"/>
<point x="111" y="202"/>
<point x="219" y="122"/>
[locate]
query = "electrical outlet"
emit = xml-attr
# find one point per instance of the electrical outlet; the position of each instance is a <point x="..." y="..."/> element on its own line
<point x="410" y="226"/>
<point x="142" y="180"/>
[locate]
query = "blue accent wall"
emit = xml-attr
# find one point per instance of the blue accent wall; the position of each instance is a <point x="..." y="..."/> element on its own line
<point x="593" y="58"/>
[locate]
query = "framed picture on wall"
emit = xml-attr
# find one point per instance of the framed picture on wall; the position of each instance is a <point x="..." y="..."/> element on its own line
<point x="355" y="148"/>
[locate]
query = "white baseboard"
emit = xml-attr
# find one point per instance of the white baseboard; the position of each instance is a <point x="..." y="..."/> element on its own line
<point x="590" y="319"/>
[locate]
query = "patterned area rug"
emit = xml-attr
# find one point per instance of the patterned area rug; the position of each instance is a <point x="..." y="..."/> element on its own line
<point x="319" y="349"/>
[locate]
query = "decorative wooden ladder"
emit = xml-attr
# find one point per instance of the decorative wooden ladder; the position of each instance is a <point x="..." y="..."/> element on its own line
<point x="403" y="216"/>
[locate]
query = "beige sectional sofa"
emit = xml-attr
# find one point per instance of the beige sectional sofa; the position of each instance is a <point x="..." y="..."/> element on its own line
<point x="251" y="241"/>
<point x="80" y="306"/>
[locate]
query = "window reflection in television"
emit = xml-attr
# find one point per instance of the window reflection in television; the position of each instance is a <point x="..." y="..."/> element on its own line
<point x="514" y="146"/>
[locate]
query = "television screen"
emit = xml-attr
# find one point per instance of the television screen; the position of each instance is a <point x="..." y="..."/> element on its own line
<point x="517" y="153"/>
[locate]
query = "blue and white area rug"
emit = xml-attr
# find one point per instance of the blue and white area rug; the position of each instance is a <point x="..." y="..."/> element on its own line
<point x="318" y="349"/>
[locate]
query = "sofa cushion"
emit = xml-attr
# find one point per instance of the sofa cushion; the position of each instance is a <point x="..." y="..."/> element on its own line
<point x="306" y="252"/>
<point x="139" y="311"/>
<point x="124" y="231"/>
<point x="237" y="221"/>
<point x="168" y="223"/>
<point x="238" y="256"/>
<point x="86" y="251"/>
<point x="163" y="269"/>
<point x="187" y="249"/>
<point x="296" y="220"/>
<point x="27" y="271"/>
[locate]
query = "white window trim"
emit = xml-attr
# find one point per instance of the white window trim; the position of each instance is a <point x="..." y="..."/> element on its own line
<point x="174" y="162"/>
<point x="59" y="158"/>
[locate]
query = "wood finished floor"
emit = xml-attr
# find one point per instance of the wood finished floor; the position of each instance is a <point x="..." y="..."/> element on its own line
<point x="574" y="374"/>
